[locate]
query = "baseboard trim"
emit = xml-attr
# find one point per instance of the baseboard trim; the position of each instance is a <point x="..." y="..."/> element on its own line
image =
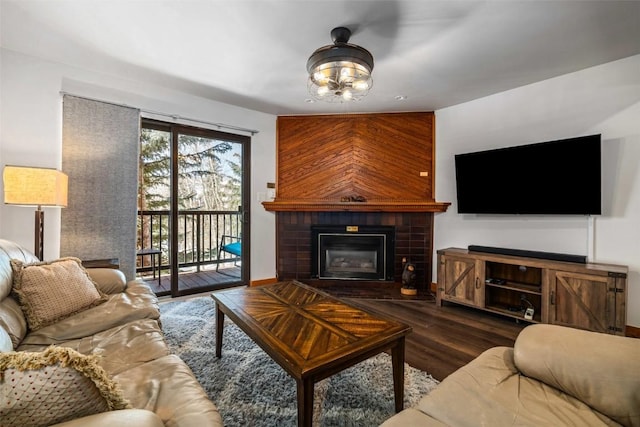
<point x="632" y="331"/>
<point x="263" y="281"/>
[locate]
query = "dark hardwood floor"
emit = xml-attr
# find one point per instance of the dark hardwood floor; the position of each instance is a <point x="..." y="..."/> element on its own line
<point x="444" y="338"/>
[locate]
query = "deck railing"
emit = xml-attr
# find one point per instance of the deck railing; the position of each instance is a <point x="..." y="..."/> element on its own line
<point x="199" y="236"/>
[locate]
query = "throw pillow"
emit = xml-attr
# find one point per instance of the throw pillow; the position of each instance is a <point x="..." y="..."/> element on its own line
<point x="51" y="291"/>
<point x="53" y="386"/>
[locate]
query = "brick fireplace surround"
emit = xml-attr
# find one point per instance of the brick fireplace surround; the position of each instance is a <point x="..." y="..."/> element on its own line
<point x="414" y="231"/>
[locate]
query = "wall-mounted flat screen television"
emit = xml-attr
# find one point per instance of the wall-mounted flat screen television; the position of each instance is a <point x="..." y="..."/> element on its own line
<point x="560" y="177"/>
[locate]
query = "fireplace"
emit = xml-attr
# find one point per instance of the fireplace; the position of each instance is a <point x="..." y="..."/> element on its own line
<point x="413" y="241"/>
<point x="352" y="252"/>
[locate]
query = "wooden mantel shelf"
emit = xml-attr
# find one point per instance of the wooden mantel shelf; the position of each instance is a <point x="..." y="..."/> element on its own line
<point x="369" y="206"/>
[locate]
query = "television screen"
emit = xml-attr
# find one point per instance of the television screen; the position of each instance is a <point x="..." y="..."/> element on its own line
<point x="555" y="178"/>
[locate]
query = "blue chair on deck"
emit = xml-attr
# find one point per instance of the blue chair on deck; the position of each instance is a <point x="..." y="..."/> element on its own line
<point x="231" y="245"/>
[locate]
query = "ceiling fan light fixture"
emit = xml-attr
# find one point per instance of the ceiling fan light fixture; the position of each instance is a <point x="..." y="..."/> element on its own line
<point x="361" y="85"/>
<point x="340" y="72"/>
<point x="322" y="91"/>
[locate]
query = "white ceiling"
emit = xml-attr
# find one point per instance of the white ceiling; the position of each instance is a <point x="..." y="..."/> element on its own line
<point x="253" y="53"/>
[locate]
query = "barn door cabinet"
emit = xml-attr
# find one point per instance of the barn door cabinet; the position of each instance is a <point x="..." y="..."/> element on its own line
<point x="587" y="296"/>
<point x="461" y="280"/>
<point x="589" y="301"/>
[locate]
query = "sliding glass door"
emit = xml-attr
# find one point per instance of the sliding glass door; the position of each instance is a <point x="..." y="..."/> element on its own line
<point x="193" y="203"/>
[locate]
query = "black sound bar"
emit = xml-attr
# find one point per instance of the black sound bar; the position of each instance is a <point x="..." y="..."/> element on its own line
<point x="581" y="259"/>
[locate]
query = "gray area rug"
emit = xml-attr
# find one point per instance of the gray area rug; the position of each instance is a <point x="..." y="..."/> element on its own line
<point x="250" y="389"/>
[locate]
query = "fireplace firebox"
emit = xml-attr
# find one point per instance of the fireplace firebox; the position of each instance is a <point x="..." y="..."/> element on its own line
<point x="352" y="252"/>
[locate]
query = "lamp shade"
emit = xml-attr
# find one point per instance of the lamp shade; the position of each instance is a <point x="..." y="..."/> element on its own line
<point x="35" y="186"/>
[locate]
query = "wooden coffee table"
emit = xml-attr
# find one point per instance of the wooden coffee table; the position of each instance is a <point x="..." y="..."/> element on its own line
<point x="311" y="334"/>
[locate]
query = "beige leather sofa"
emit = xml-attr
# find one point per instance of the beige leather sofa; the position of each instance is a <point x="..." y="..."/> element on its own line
<point x="553" y="376"/>
<point x="124" y="332"/>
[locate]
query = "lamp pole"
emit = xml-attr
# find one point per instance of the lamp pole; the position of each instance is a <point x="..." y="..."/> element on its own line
<point x="39" y="228"/>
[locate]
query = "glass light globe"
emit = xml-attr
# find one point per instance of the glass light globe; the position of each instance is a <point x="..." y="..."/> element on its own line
<point x="321" y="76"/>
<point x="323" y="90"/>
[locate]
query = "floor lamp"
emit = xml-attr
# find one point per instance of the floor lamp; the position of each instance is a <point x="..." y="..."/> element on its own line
<point x="35" y="187"/>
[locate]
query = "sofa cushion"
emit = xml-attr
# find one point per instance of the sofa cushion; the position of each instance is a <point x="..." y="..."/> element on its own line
<point x="54" y="290"/>
<point x="10" y="250"/>
<point x="490" y="391"/>
<point x="108" y="280"/>
<point x="5" y="341"/>
<point x="412" y="417"/>
<point x="601" y="370"/>
<point x="12" y="320"/>
<point x="167" y="387"/>
<point x="125" y="417"/>
<point x="52" y="386"/>
<point x="143" y="340"/>
<point x="119" y="309"/>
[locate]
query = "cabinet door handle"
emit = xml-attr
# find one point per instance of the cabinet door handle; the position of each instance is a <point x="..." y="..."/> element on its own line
<point x="553" y="298"/>
<point x="477" y="283"/>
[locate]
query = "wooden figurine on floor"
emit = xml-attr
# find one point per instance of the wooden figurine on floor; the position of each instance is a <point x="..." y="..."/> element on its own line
<point x="408" y="278"/>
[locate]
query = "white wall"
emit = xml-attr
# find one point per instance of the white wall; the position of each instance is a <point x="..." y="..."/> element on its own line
<point x="603" y="99"/>
<point x="31" y="135"/>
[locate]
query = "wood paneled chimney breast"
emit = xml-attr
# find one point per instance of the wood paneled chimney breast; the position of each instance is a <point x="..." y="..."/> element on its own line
<point x="356" y="162"/>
